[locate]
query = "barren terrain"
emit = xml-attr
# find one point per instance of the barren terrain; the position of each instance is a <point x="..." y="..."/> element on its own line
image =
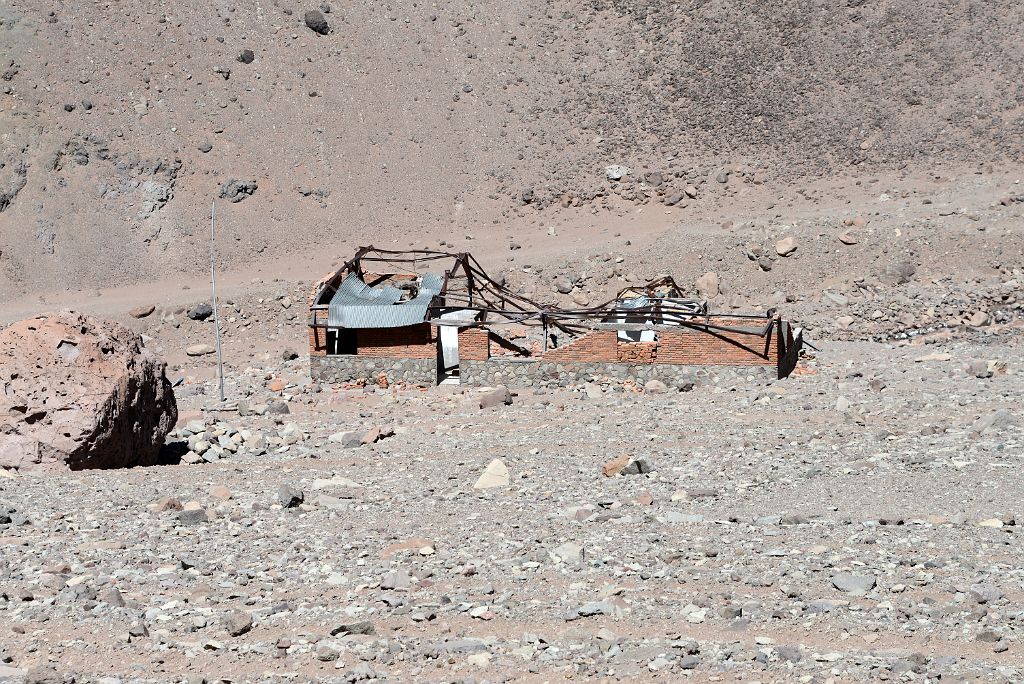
<point x="854" y="522"/>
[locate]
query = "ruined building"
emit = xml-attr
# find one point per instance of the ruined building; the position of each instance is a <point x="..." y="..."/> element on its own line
<point x="424" y="317"/>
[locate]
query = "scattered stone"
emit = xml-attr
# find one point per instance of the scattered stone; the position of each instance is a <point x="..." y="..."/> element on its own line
<point x="289" y="496"/>
<point x="858" y="585"/>
<point x="235" y="190"/>
<point x="616" y="172"/>
<point x="494" y="475"/>
<point x="142" y="311"/>
<point x="786" y="246"/>
<point x="501" y="396"/>
<point x="364" y="627"/>
<point x="316" y="22"/>
<point x="237" y="622"/>
<point x="193" y="516"/>
<point x="199" y="350"/>
<point x="200" y="312"/>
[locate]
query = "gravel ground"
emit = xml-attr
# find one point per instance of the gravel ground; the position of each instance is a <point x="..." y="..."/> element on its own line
<point x="855" y="522"/>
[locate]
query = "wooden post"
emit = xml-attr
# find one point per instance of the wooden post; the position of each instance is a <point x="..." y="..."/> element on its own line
<point x="216" y="305"/>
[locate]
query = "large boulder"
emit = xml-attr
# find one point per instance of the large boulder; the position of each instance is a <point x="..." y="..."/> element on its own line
<point x="77" y="392"/>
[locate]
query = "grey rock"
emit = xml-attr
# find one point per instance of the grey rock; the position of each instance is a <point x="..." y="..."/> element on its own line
<point x="237" y="622"/>
<point x="195" y="516"/>
<point x="638" y="466"/>
<point x="289" y="496"/>
<point x="986" y="593"/>
<point x="361" y="627"/>
<point x="858" y="585"/>
<point x="235" y="190"/>
<point x="993" y="421"/>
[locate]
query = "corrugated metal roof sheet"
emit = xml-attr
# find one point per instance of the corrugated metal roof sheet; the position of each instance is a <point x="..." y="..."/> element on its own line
<point x="357" y="305"/>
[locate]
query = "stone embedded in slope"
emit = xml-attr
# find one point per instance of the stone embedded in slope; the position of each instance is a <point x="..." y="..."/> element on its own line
<point x="708" y="285"/>
<point x="235" y="190"/>
<point x="80" y="393"/>
<point x="316" y="22"/>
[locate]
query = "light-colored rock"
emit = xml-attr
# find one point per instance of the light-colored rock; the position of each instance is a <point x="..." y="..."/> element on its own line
<point x="199" y="350"/>
<point x="786" y="246"/>
<point x="708" y="285"/>
<point x="494" y="475"/>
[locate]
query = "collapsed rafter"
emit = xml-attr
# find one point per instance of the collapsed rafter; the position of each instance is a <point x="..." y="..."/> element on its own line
<point x="468" y="287"/>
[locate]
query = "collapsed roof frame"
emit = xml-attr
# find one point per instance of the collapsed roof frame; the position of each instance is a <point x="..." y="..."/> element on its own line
<point x="466" y="286"/>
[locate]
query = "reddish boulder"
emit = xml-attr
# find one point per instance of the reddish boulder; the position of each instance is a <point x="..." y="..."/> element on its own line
<point x="77" y="392"/>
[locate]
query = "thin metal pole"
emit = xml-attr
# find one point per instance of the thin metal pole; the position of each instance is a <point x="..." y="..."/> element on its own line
<point x="216" y="305"/>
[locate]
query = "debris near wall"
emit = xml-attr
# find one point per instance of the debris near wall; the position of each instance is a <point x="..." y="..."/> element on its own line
<point x="208" y="443"/>
<point x="77" y="393"/>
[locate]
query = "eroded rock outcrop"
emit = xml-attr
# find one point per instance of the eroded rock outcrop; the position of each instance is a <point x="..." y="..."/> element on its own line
<point x="77" y="392"/>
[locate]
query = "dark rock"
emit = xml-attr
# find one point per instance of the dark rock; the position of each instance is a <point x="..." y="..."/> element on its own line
<point x="200" y="312"/>
<point x="316" y="22"/>
<point x="247" y="56"/>
<point x="193" y="516"/>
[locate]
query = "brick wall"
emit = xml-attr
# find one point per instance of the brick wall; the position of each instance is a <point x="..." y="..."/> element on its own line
<point x="680" y="347"/>
<point x="317" y="336"/>
<point x="409" y="342"/>
<point x="599" y="345"/>
<point x="693" y="347"/>
<point x="474" y="344"/>
<point x="637" y="352"/>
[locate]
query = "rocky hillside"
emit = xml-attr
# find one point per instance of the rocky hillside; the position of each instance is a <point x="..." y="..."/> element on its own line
<point x="120" y="123"/>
